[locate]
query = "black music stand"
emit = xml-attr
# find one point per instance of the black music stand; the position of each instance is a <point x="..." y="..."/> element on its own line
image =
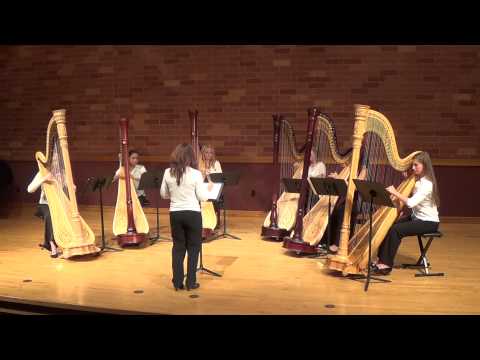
<point x="328" y="186"/>
<point x="228" y="179"/>
<point x="153" y="180"/>
<point x="374" y="193"/>
<point x="98" y="183"/>
<point x="292" y="185"/>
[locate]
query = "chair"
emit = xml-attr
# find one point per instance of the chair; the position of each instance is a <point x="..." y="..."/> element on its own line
<point x="423" y="264"/>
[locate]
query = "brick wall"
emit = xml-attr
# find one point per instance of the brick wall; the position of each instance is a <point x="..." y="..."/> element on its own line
<point x="428" y="92"/>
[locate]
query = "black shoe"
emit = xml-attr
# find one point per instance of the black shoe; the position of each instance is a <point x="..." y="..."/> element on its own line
<point x="383" y="272"/>
<point x="193" y="287"/>
<point x="179" y="287"/>
<point x="54" y="256"/>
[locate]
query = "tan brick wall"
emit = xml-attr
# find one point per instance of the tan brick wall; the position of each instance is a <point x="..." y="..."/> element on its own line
<point x="428" y="92"/>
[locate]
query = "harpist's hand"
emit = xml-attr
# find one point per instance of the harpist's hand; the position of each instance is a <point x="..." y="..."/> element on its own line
<point x="391" y="189"/>
<point x="405" y="174"/>
<point x="48" y="178"/>
<point x="333" y="175"/>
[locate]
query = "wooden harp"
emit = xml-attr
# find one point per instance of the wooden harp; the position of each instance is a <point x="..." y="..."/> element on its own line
<point x="130" y="224"/>
<point x="374" y="137"/>
<point x="71" y="232"/>
<point x="287" y="163"/>
<point x="209" y="217"/>
<point x="315" y="219"/>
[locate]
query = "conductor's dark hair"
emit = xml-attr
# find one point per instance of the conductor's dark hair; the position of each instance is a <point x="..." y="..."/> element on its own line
<point x="181" y="157"/>
<point x="133" y="151"/>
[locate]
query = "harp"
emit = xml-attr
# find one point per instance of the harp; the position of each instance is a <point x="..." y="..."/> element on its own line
<point x="314" y="219"/>
<point x="373" y="137"/>
<point x="287" y="163"/>
<point x="71" y="232"/>
<point x="129" y="222"/>
<point x="209" y="217"/>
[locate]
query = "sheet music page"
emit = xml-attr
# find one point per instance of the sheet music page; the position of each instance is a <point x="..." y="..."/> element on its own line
<point x="215" y="192"/>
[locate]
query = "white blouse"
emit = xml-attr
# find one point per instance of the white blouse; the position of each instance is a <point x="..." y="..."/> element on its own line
<point x="317" y="170"/>
<point x="188" y="194"/>
<point x="421" y="202"/>
<point x="34" y="185"/>
<point x="136" y="173"/>
<point x="215" y="168"/>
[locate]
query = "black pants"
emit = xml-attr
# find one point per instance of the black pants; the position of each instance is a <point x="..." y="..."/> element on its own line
<point x="43" y="212"/>
<point x="143" y="200"/>
<point x="407" y="226"/>
<point x="187" y="238"/>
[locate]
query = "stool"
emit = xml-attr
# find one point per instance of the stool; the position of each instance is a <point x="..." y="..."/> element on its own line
<point x="422" y="264"/>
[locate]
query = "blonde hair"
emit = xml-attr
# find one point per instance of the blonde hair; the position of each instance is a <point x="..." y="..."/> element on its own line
<point x="210" y="163"/>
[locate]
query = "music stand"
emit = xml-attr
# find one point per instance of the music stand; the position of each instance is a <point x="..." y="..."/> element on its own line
<point x="228" y="179"/>
<point x="153" y="180"/>
<point x="292" y="185"/>
<point x="374" y="193"/>
<point x="98" y="183"/>
<point x="328" y="186"/>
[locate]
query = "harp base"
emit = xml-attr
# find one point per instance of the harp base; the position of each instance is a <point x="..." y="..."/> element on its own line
<point x="208" y="234"/>
<point x="274" y="233"/>
<point x="131" y="239"/>
<point x="80" y="251"/>
<point x="299" y="247"/>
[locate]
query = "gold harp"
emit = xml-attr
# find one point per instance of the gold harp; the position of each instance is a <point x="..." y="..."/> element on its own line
<point x="209" y="217"/>
<point x="373" y="137"/>
<point x="130" y="224"/>
<point x="71" y="232"/>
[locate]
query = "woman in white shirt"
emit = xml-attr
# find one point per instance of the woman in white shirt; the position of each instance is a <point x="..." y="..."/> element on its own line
<point x="136" y="172"/>
<point x="211" y="166"/>
<point x="424" y="203"/>
<point x="182" y="184"/>
<point x="44" y="212"/>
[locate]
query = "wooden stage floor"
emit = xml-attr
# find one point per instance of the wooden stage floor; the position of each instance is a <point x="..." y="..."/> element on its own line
<point x="258" y="276"/>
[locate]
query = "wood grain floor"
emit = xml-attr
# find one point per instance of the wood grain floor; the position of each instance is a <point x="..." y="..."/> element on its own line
<point x="258" y="276"/>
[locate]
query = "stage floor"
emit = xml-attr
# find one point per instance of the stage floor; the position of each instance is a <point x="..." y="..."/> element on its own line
<point x="258" y="276"/>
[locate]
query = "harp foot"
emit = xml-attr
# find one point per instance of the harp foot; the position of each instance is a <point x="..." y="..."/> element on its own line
<point x="300" y="247"/>
<point x="132" y="239"/>
<point x="272" y="233"/>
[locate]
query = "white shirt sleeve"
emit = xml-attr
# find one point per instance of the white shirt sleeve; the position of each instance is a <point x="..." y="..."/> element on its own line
<point x="35" y="184"/>
<point x="218" y="167"/>
<point x="422" y="192"/>
<point x="200" y="191"/>
<point x="164" y="192"/>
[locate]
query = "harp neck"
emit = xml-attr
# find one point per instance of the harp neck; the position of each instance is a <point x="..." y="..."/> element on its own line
<point x="123" y="123"/>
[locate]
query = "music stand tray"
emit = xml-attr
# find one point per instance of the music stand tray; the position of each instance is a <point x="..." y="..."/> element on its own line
<point x="153" y="180"/>
<point x="292" y="185"/>
<point x="228" y="179"/>
<point x="328" y="187"/>
<point x="374" y="193"/>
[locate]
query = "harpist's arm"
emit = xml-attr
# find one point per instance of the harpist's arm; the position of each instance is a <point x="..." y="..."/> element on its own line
<point x="37" y="181"/>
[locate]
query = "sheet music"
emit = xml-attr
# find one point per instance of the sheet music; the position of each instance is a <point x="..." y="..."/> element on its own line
<point x="214" y="194"/>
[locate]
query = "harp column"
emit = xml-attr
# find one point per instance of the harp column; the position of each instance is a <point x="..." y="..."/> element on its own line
<point x="60" y="120"/>
<point x="361" y="112"/>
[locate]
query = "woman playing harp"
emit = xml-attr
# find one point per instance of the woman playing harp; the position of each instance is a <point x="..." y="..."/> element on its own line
<point x="65" y="228"/>
<point x="424" y="218"/>
<point x="209" y="215"/>
<point x="374" y="137"/>
<point x="312" y="223"/>
<point x="288" y="163"/>
<point x="130" y="224"/>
